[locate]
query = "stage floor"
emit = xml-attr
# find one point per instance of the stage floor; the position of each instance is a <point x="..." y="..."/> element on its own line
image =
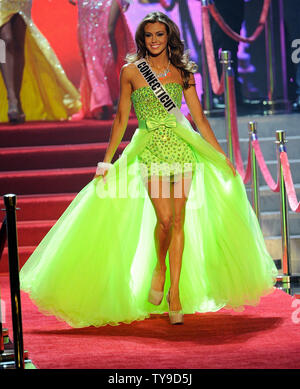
<point x="263" y="337"/>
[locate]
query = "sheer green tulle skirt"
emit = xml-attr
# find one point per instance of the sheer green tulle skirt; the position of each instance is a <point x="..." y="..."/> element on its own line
<point x="95" y="265"/>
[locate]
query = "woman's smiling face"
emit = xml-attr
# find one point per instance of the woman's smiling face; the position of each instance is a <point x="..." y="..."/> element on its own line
<point x="156" y="38"/>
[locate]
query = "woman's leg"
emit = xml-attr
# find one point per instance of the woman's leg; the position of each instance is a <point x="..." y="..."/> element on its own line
<point x="112" y="21"/>
<point x="7" y="68"/>
<point x="13" y="34"/>
<point x="163" y="229"/>
<point x="19" y="31"/>
<point x="169" y="233"/>
<point x="180" y="194"/>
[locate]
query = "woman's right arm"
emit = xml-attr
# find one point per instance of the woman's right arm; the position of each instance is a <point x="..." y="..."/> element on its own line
<point x="122" y="115"/>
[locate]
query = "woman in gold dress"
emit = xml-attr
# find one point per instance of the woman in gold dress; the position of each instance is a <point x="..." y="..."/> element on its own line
<point x="33" y="83"/>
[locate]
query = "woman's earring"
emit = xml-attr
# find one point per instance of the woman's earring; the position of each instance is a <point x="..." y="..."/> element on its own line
<point x="169" y="51"/>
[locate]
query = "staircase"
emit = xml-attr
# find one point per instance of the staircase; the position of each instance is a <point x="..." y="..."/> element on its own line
<point x="46" y="164"/>
<point x="269" y="201"/>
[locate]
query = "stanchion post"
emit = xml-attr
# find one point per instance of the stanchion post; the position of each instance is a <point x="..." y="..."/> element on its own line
<point x="269" y="39"/>
<point x="272" y="105"/>
<point x="207" y="93"/>
<point x="283" y="52"/>
<point x="12" y="240"/>
<point x="207" y="99"/>
<point x="227" y="71"/>
<point x="252" y="126"/>
<point x="284" y="213"/>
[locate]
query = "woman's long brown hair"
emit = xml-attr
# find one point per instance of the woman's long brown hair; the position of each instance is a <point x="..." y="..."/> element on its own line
<point x="179" y="58"/>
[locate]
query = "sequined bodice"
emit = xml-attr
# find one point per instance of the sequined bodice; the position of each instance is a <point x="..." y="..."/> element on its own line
<point x="165" y="153"/>
<point x="147" y="105"/>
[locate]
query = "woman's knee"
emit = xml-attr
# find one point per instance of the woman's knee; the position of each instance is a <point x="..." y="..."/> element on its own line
<point x="178" y="221"/>
<point x="19" y="31"/>
<point x="166" y="222"/>
<point x="13" y="34"/>
<point x="7" y="36"/>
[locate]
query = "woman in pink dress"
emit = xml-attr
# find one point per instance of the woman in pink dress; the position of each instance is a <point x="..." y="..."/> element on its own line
<point x="104" y="40"/>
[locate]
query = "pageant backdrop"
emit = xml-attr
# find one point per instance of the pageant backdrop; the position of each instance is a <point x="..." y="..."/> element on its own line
<point x="57" y="20"/>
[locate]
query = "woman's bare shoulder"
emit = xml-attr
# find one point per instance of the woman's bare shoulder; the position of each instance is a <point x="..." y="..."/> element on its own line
<point x="129" y="70"/>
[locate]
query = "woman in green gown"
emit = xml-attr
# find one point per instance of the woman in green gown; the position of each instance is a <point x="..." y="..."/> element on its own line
<point x="171" y="215"/>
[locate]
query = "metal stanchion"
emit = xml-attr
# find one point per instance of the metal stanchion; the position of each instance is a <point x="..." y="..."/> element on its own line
<point x="227" y="71"/>
<point x="207" y="100"/>
<point x="283" y="53"/>
<point x="12" y="240"/>
<point x="269" y="39"/>
<point x="207" y="93"/>
<point x="270" y="105"/>
<point x="284" y="213"/>
<point x="252" y="126"/>
<point x="206" y="87"/>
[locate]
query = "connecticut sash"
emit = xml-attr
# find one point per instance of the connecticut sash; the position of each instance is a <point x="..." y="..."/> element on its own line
<point x="190" y="135"/>
<point x="160" y="92"/>
<point x="157" y="88"/>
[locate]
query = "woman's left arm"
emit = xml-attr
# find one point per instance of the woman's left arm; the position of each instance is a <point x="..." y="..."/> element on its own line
<point x="199" y="118"/>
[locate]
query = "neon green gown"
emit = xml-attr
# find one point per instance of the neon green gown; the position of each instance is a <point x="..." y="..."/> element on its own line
<point x="94" y="267"/>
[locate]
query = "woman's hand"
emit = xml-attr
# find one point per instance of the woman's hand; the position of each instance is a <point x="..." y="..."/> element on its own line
<point x="73" y="2"/>
<point x="229" y="163"/>
<point x="102" y="174"/>
<point x="102" y="170"/>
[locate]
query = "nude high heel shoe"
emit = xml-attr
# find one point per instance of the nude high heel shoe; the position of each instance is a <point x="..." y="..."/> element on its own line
<point x="155" y="297"/>
<point x="176" y="317"/>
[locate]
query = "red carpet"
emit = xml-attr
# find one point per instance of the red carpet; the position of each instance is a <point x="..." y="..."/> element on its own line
<point x="262" y="337"/>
